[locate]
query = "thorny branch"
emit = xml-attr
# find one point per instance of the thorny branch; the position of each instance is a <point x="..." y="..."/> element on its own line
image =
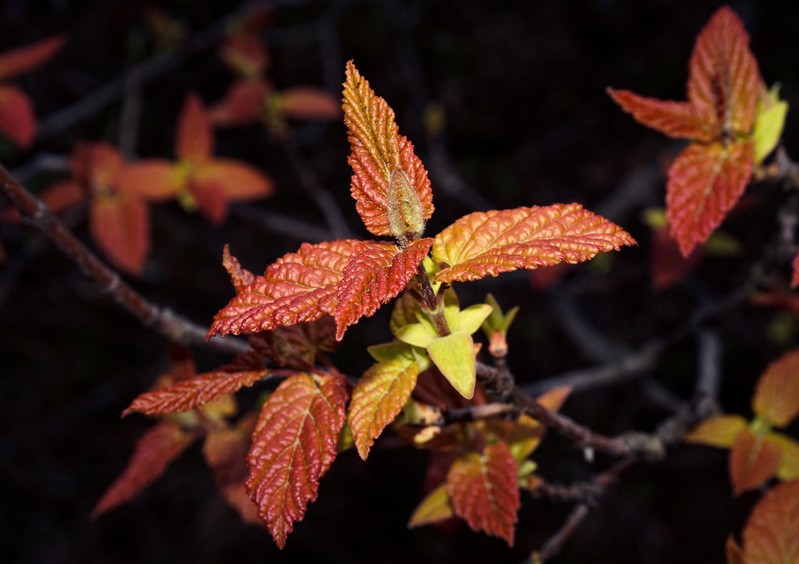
<point x="164" y="321"/>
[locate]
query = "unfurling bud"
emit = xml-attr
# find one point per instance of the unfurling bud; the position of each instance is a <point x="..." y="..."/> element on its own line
<point x="405" y="211"/>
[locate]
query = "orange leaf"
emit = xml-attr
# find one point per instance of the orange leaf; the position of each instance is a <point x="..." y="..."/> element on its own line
<point x="771" y="534"/>
<point x="242" y="105"/>
<point x="484" y="491"/>
<point x="240" y="277"/>
<point x="244" y="370"/>
<point x="306" y="103"/>
<point x="378" y="398"/>
<point x="25" y="58"/>
<point x="225" y="452"/>
<point x="705" y="182"/>
<point x="121" y="228"/>
<point x="152" y="179"/>
<point x="377" y="151"/>
<point x="17" y="119"/>
<point x="724" y="84"/>
<point x="675" y="119"/>
<point x="209" y="196"/>
<point x="776" y="398"/>
<point x="238" y="181"/>
<point x="294" y="443"/>
<point x="488" y="243"/>
<point x="376" y="273"/>
<point x="298" y="287"/>
<point x="97" y="165"/>
<point x="62" y="195"/>
<point x="154" y="451"/>
<point x="718" y="431"/>
<point x="194" y="139"/>
<point x="734" y="552"/>
<point x="299" y="345"/>
<point x="753" y="461"/>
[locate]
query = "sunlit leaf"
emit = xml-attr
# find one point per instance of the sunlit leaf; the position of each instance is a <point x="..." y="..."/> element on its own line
<point x="776" y="398"/>
<point x="488" y="243"/>
<point x="770" y="120"/>
<point x="453" y="355"/>
<point x="484" y="491"/>
<point x="376" y="273"/>
<point x="22" y="59"/>
<point x="240" y="277"/>
<point x="244" y="370"/>
<point x="705" y="182"/>
<point x="378" y="398"/>
<point x="753" y="461"/>
<point x="771" y="534"/>
<point x="238" y="181"/>
<point x="717" y="431"/>
<point x="377" y="151"/>
<point x="788" y="468"/>
<point x="298" y="287"/>
<point x="435" y="507"/>
<point x="675" y="119"/>
<point x="154" y="452"/>
<point x="294" y="443"/>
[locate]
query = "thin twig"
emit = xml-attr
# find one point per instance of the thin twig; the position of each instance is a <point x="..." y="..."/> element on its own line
<point x="164" y="321"/>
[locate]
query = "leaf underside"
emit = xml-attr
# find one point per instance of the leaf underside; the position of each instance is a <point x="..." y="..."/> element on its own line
<point x="488" y="243"/>
<point x="484" y="491"/>
<point x="293" y="445"/>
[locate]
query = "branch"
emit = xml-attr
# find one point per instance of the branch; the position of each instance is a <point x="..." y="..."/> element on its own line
<point x="164" y="321"/>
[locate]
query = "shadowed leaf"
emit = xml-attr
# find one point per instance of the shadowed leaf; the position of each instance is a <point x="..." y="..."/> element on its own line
<point x="22" y="59"/>
<point x="435" y="507"/>
<point x="294" y="443"/>
<point x="771" y="534"/>
<point x="753" y="461"/>
<point x="120" y="226"/>
<point x="299" y="345"/>
<point x="776" y="398"/>
<point x="194" y="139"/>
<point x="306" y="103"/>
<point x="17" y="119"/>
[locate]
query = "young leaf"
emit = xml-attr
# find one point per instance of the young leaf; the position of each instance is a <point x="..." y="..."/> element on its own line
<point x="193" y="137"/>
<point x="298" y="346"/>
<point x="770" y="120"/>
<point x="675" y="119"/>
<point x="484" y="491"/>
<point x="453" y="355"/>
<point x="753" y="461"/>
<point x="724" y="82"/>
<point x="377" y="150"/>
<point x="245" y="370"/>
<point x="120" y="225"/>
<point x="242" y="105"/>
<point x="788" y="468"/>
<point x="717" y="431"/>
<point x="293" y="445"/>
<point x="772" y="530"/>
<point x="378" y="398"/>
<point x="488" y="243"/>
<point x="154" y="451"/>
<point x="376" y="273"/>
<point x="705" y="182"/>
<point x="23" y="59"/>
<point x="435" y="507"/>
<point x="776" y="398"/>
<point x="17" y="118"/>
<point x="225" y="452"/>
<point x="306" y="103"/>
<point x="298" y="287"/>
<point x="240" y="277"/>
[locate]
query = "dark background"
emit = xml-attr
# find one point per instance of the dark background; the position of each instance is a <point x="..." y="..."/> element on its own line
<point x="527" y="122"/>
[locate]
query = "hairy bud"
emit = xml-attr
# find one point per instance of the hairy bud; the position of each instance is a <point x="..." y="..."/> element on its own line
<point x="405" y="211"/>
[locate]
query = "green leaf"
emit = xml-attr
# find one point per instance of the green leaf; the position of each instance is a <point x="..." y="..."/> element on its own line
<point x="453" y="355"/>
<point x="417" y="334"/>
<point x="471" y="318"/>
<point x="769" y="123"/>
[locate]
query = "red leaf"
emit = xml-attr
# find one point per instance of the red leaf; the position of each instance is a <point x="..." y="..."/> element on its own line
<point x="378" y="398"/>
<point x="488" y="243"/>
<point x="776" y="398"/>
<point x="294" y="443"/>
<point x="245" y="370"/>
<point x="240" y="277"/>
<point x="376" y="273"/>
<point x="225" y="452"/>
<point x="377" y="151"/>
<point x="154" y="451"/>
<point x="484" y="491"/>
<point x="17" y="119"/>
<point x="238" y="181"/>
<point x="771" y="534"/>
<point x="667" y="265"/>
<point x="210" y="199"/>
<point x="242" y="105"/>
<point x="25" y="58"/>
<point x="120" y="226"/>
<point x="194" y="139"/>
<point x="675" y="119"/>
<point x="305" y="103"/>
<point x="753" y="461"/>
<point x="298" y="287"/>
<point x="724" y="84"/>
<point x="705" y="182"/>
<point x="61" y="196"/>
<point x="97" y="165"/>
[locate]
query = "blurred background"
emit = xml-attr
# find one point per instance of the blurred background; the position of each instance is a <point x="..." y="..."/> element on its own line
<point x="506" y="105"/>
